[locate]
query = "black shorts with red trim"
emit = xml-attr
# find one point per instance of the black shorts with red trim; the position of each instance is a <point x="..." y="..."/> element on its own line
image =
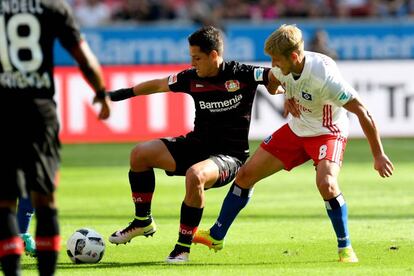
<point x="188" y="151"/>
<point x="31" y="157"/>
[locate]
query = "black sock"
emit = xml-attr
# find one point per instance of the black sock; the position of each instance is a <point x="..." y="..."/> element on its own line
<point x="142" y="188"/>
<point x="47" y="240"/>
<point x="142" y="223"/>
<point x="180" y="248"/>
<point x="10" y="259"/>
<point x="10" y="265"/>
<point x="189" y="221"/>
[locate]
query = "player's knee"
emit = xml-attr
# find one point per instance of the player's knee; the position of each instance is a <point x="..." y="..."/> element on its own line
<point x="195" y="178"/>
<point x="40" y="200"/>
<point x="327" y="186"/>
<point x="244" y="178"/>
<point x="137" y="157"/>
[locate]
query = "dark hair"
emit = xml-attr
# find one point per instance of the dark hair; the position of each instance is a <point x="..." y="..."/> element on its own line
<point x="208" y="39"/>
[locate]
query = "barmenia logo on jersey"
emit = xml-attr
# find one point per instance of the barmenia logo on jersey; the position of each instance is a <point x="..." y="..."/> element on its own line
<point x="220" y="106"/>
<point x="232" y="85"/>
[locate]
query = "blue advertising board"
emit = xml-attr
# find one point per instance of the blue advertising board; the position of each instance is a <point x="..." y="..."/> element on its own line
<point x="244" y="42"/>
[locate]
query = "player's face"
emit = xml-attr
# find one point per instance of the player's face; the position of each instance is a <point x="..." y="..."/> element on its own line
<point x="284" y="63"/>
<point x="205" y="64"/>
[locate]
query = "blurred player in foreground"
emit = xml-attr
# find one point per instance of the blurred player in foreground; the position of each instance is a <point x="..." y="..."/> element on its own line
<point x="319" y="97"/>
<point x="211" y="154"/>
<point x="31" y="146"/>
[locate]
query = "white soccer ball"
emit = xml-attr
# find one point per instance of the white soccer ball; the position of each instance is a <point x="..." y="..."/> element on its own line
<point x="85" y="246"/>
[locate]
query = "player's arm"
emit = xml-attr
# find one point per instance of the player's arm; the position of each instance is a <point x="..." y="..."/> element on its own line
<point x="92" y="72"/>
<point x="381" y="161"/>
<point x="290" y="106"/>
<point x="274" y="86"/>
<point x="143" y="88"/>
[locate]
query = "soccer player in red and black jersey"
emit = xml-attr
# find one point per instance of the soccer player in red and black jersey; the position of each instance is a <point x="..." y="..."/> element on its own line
<point x="211" y="154"/>
<point x="29" y="140"/>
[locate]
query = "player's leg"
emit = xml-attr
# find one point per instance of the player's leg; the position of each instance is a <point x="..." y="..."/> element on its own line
<point x="259" y="166"/>
<point x="336" y="207"/>
<point x="47" y="232"/>
<point x="281" y="150"/>
<point x="41" y="164"/>
<point x="327" y="154"/>
<point x="25" y="213"/>
<point x="144" y="157"/>
<point x="11" y="246"/>
<point x="214" y="172"/>
<point x="12" y="186"/>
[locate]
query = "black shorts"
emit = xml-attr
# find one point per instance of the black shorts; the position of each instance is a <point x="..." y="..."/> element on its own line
<point x="32" y="158"/>
<point x="189" y="151"/>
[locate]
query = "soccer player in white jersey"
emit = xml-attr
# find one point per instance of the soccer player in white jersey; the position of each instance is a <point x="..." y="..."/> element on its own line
<point x="321" y="97"/>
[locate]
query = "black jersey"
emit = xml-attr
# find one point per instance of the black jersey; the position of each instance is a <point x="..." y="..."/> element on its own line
<point x="28" y="30"/>
<point x="223" y="105"/>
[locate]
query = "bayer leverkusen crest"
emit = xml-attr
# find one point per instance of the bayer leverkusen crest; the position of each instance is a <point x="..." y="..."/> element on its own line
<point x="232" y="85"/>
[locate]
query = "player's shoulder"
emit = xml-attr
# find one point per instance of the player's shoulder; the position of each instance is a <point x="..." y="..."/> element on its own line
<point x="235" y="66"/>
<point x="231" y="66"/>
<point x="56" y="6"/>
<point x="322" y="65"/>
<point x="319" y="60"/>
<point x="182" y="76"/>
<point x="237" y="69"/>
<point x="189" y="72"/>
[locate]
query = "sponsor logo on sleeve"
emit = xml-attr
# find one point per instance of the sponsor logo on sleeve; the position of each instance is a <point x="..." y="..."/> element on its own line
<point x="258" y="74"/>
<point x="172" y="79"/>
<point x="344" y="96"/>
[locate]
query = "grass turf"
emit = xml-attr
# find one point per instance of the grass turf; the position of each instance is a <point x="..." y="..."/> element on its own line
<point x="283" y="231"/>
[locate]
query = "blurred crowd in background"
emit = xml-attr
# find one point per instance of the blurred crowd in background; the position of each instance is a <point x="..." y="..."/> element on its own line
<point x="94" y="13"/>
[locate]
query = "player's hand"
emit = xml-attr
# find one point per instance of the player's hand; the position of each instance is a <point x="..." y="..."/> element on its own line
<point x="105" y="111"/>
<point x="274" y="91"/>
<point x="273" y="86"/>
<point x="383" y="165"/>
<point x="291" y="107"/>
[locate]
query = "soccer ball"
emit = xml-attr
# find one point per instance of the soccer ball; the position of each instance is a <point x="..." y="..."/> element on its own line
<point x="85" y="246"/>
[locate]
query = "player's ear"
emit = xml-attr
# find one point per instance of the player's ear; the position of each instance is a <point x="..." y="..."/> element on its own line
<point x="294" y="56"/>
<point x="214" y="54"/>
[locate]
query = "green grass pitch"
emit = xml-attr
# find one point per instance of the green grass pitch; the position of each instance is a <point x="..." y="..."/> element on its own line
<point x="283" y="231"/>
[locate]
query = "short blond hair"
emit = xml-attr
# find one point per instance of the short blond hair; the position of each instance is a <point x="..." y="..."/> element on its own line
<point x="284" y="41"/>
